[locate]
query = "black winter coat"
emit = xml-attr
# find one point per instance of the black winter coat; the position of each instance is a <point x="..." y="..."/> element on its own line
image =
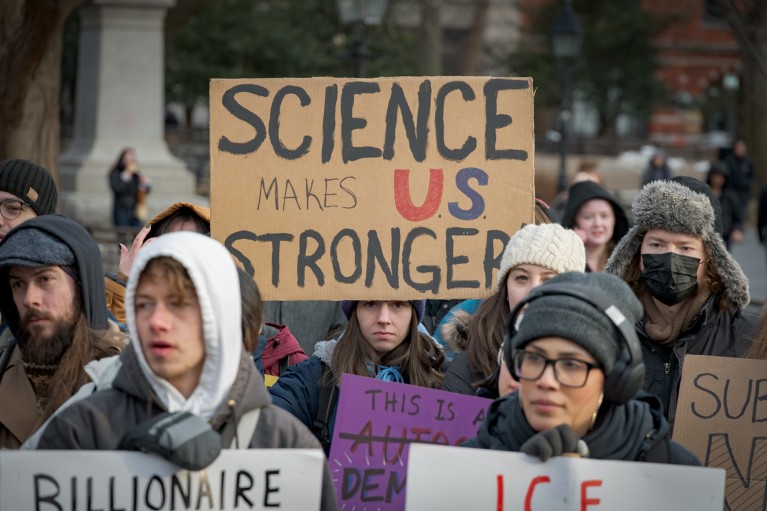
<point x="621" y="433"/>
<point x="459" y="377"/>
<point x="125" y="192"/>
<point x="713" y="332"/>
<point x="298" y="392"/>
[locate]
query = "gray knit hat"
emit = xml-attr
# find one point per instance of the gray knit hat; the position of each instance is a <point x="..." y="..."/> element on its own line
<point x="33" y="248"/>
<point x="580" y="322"/>
<point x="548" y="245"/>
<point x="30" y="183"/>
<point x="674" y="207"/>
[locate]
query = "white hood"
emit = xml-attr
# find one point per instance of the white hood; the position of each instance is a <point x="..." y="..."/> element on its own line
<point x="214" y="276"/>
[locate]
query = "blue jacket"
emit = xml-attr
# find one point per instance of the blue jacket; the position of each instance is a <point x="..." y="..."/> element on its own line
<point x="298" y="389"/>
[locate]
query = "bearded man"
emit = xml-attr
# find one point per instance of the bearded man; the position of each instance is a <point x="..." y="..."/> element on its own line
<point x="52" y="297"/>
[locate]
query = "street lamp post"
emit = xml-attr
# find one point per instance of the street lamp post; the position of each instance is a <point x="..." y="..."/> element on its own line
<point x="566" y="40"/>
<point x="362" y="14"/>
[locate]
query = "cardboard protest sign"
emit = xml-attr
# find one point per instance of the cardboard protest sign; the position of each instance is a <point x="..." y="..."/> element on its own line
<point x="120" y="480"/>
<point x="375" y="424"/>
<point x="459" y="478"/>
<point x="721" y="416"/>
<point x="387" y="188"/>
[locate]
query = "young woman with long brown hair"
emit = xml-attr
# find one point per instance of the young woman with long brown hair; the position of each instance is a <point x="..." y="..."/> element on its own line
<point x="382" y="340"/>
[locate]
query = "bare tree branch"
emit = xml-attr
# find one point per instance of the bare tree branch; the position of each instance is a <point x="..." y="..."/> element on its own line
<point x="742" y="31"/>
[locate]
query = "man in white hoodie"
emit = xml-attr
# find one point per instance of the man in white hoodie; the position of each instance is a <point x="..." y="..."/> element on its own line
<point x="186" y="354"/>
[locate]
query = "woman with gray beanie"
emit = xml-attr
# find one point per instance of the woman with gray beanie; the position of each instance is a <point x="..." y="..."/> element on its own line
<point x="573" y="349"/>
<point x="382" y="340"/>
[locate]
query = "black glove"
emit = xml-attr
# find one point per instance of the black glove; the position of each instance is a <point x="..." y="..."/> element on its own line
<point x="182" y="438"/>
<point x="552" y="442"/>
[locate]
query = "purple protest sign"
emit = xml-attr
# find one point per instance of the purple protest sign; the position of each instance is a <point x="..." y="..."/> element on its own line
<point x="376" y="421"/>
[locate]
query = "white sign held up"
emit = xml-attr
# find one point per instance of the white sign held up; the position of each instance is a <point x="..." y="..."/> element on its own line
<point x="453" y="478"/>
<point x="112" y="480"/>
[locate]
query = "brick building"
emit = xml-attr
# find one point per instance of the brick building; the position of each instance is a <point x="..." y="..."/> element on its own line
<point x="699" y="62"/>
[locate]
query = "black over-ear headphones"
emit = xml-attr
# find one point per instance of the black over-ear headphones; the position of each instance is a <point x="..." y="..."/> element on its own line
<point x="628" y="373"/>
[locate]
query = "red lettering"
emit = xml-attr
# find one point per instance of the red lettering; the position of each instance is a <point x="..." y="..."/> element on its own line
<point x="440" y="438"/>
<point x="585" y="501"/>
<point x="404" y="203"/>
<point x="499" y="500"/>
<point x="535" y="482"/>
<point x="364" y="438"/>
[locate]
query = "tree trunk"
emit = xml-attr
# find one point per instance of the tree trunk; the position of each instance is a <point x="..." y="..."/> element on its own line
<point x="431" y="38"/>
<point x="472" y="59"/>
<point x="748" y="22"/>
<point x="753" y="114"/>
<point x="30" y="78"/>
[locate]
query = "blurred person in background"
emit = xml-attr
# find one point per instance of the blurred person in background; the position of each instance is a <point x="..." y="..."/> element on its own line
<point x="598" y="218"/>
<point x="129" y="190"/>
<point x="587" y="171"/>
<point x="657" y="168"/>
<point x="732" y="221"/>
<point x="742" y="174"/>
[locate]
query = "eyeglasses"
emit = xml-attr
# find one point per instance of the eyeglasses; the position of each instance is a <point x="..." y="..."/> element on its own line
<point x="568" y="371"/>
<point x="12" y="208"/>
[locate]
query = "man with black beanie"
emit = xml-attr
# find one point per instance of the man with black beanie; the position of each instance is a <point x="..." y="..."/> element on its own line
<point x="26" y="191"/>
<point x="52" y="297"/>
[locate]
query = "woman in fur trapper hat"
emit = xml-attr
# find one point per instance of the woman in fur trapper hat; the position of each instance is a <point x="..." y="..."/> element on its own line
<point x="692" y="290"/>
<point x="571" y="345"/>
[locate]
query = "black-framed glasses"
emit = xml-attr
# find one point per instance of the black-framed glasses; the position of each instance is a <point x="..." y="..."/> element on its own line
<point x="569" y="372"/>
<point x="12" y="208"/>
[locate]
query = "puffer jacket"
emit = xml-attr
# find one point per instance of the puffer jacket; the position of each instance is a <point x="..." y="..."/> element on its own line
<point x="713" y="332"/>
<point x="298" y="389"/>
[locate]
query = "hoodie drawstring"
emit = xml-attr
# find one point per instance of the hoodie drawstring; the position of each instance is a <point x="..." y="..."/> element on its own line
<point x="232" y="404"/>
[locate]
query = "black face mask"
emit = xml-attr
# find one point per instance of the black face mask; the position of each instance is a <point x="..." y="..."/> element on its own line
<point x="670" y="277"/>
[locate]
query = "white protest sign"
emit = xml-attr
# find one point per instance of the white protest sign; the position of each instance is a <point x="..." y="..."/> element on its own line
<point x="131" y="481"/>
<point x="448" y="478"/>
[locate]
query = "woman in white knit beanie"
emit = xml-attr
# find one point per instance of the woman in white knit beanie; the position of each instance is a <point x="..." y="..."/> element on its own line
<point x="533" y="255"/>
